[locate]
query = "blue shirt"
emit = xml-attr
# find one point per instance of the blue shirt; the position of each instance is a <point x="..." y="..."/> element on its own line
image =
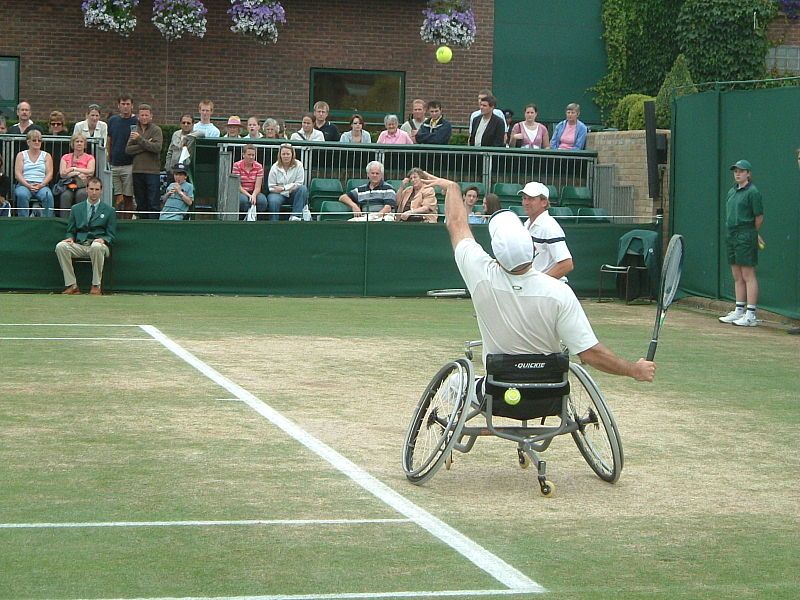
<point x="174" y="206"/>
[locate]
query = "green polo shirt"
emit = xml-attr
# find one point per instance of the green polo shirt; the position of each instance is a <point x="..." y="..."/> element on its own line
<point x="742" y="206"/>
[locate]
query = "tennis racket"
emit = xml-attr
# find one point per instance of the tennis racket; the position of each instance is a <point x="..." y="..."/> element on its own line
<point x="670" y="278"/>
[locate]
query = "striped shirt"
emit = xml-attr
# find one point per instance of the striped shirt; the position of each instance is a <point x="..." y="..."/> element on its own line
<point x="248" y="178"/>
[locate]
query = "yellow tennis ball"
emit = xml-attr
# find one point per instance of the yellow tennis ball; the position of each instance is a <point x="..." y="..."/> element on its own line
<point x="512" y="396"/>
<point x="761" y="245"/>
<point x="444" y="55"/>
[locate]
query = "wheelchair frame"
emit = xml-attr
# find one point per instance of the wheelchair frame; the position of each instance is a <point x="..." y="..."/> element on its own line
<point x="439" y="424"/>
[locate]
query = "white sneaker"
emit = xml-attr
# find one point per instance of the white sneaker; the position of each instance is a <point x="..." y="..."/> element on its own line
<point x="294" y="218"/>
<point x="746" y="320"/>
<point x="732" y="316"/>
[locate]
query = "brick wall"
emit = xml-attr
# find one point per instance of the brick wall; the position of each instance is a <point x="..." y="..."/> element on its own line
<point x="783" y="31"/>
<point x="66" y="66"/>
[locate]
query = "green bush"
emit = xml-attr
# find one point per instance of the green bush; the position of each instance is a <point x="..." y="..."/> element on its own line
<point x="619" y="116"/>
<point x="678" y="80"/>
<point x="636" y="112"/>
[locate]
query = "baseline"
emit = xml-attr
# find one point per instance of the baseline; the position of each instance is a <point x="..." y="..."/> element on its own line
<point x="231" y="523"/>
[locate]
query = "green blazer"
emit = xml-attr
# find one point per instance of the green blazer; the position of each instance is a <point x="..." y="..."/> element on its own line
<point x="103" y="225"/>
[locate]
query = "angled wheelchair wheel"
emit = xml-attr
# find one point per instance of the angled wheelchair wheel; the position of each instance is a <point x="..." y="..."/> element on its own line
<point x="597" y="437"/>
<point x="437" y="421"/>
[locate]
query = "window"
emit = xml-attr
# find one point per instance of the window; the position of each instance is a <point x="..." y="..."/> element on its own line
<point x="372" y="94"/>
<point x="9" y="85"/>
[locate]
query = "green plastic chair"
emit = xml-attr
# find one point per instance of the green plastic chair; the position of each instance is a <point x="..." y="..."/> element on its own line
<point x="562" y="214"/>
<point x="554" y="198"/>
<point x="576" y="196"/>
<point x="329" y="209"/>
<point x="395" y="183"/>
<point x="322" y="189"/>
<point x="593" y="215"/>
<point x="354" y="183"/>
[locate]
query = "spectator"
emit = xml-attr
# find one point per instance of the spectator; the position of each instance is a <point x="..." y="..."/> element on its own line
<point x="416" y="119"/>
<point x="91" y="229"/>
<point x="529" y="133"/>
<point x="182" y="138"/>
<point x="3" y="125"/>
<point x="25" y="122"/>
<point x="552" y="256"/>
<point x="417" y="202"/>
<point x="470" y="198"/>
<point x="33" y="169"/>
<point x="374" y="196"/>
<point x="251" y="178"/>
<point x="144" y="146"/>
<point x="119" y="131"/>
<point x="233" y="128"/>
<point x="253" y="129"/>
<point x="436" y="129"/>
<point x="328" y="129"/>
<point x="92" y="126"/>
<point x="307" y="131"/>
<point x="77" y="166"/>
<point x="285" y="182"/>
<point x="570" y="134"/>
<point x="356" y="135"/>
<point x="393" y="134"/>
<point x="272" y="129"/>
<point x="205" y="127"/>
<point x="487" y="129"/>
<point x="178" y="197"/>
<point x="491" y="204"/>
<point x="482" y="95"/>
<point x="57" y="123"/>
<point x="5" y="191"/>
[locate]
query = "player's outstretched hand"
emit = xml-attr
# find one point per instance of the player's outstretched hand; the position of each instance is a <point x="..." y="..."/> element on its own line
<point x="429" y="179"/>
<point x="644" y="370"/>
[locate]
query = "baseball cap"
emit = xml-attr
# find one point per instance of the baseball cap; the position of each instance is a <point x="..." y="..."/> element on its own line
<point x="511" y="242"/>
<point x="180" y="168"/>
<point x="234" y="120"/>
<point x="742" y="164"/>
<point x="534" y="188"/>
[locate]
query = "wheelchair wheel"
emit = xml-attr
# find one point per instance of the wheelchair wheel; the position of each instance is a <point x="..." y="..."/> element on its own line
<point x="437" y="421"/>
<point x="597" y="437"/>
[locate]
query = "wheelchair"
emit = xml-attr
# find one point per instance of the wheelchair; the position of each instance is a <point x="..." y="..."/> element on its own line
<point x="527" y="390"/>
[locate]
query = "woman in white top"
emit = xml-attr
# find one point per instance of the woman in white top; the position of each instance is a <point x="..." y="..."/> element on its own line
<point x="529" y="133"/>
<point x="356" y="135"/>
<point x="286" y="184"/>
<point x="33" y="169"/>
<point x="307" y="131"/>
<point x="92" y="127"/>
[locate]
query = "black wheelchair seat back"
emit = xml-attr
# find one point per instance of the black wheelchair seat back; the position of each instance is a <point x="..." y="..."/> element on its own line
<point x="538" y="384"/>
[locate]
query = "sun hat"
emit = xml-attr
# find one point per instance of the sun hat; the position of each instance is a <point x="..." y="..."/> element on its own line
<point x="534" y="188"/>
<point x="234" y="120"/>
<point x="742" y="164"/>
<point x="511" y="242"/>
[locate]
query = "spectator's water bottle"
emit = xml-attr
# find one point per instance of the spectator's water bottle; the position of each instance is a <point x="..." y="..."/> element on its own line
<point x="306" y="213"/>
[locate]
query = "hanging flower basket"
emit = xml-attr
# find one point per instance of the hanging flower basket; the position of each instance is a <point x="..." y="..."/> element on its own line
<point x="257" y="18"/>
<point x="110" y="15"/>
<point x="448" y="23"/>
<point x="176" y="18"/>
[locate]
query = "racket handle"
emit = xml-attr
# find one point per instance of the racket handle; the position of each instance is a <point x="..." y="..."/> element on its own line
<point x="651" y="351"/>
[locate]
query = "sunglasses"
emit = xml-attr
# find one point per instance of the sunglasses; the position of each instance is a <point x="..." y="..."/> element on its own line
<point x="56" y="123"/>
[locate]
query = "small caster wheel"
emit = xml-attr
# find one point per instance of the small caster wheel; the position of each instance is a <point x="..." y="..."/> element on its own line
<point x="448" y="462"/>
<point x="524" y="459"/>
<point x="547" y="487"/>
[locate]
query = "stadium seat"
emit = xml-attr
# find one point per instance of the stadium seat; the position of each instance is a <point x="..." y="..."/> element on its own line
<point x="322" y="189"/>
<point x="554" y="198"/>
<point x="562" y="214"/>
<point x="593" y="215"/>
<point x="467" y="184"/>
<point x="395" y="183"/>
<point x="576" y="196"/>
<point x="354" y="183"/>
<point x="519" y="211"/>
<point x="507" y="193"/>
<point x="330" y="208"/>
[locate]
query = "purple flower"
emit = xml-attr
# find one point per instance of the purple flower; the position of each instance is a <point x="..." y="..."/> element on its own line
<point x="448" y="22"/>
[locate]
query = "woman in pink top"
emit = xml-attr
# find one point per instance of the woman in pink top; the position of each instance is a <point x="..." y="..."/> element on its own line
<point x="251" y="178"/>
<point x="79" y="166"/>
<point x="570" y="134"/>
<point x="529" y="133"/>
<point x="393" y="134"/>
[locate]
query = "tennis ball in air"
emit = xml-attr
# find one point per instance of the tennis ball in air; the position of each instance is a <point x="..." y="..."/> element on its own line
<point x="512" y="396"/>
<point x="761" y="244"/>
<point x="444" y="55"/>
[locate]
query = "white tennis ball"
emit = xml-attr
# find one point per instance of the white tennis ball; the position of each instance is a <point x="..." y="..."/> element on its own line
<point x="444" y="55"/>
<point x="512" y="396"/>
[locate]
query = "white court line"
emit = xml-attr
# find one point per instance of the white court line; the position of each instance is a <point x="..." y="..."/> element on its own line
<point x="482" y="558"/>
<point x="63" y="325"/>
<point x="69" y="339"/>
<point x="353" y="596"/>
<point x="241" y="522"/>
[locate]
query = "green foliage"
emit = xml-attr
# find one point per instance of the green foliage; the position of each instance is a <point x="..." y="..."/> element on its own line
<point x="725" y="40"/>
<point x="619" y="116"/>
<point x="636" y="112"/>
<point x="678" y="79"/>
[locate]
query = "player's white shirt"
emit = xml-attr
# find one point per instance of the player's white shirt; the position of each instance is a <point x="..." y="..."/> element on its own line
<point x="549" y="243"/>
<point x="521" y="314"/>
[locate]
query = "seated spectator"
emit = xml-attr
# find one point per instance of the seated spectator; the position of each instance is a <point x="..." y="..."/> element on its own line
<point x="570" y="134"/>
<point x="57" y="124"/>
<point x="33" y="169"/>
<point x="393" y="134"/>
<point x="5" y="191"/>
<point x="205" y="127"/>
<point x="253" y="130"/>
<point x="77" y="167"/>
<point x="436" y="129"/>
<point x="272" y="129"/>
<point x="321" y="123"/>
<point x="415" y="121"/>
<point x="182" y="138"/>
<point x="375" y="196"/>
<point x="285" y="182"/>
<point x="25" y="123"/>
<point x="92" y="126"/>
<point x="417" y="202"/>
<point x="3" y="125"/>
<point x="307" y="131"/>
<point x="529" y="133"/>
<point x="491" y="204"/>
<point x="470" y="201"/>
<point x="233" y="129"/>
<point x="356" y="135"/>
<point x="251" y="175"/>
<point x="178" y="197"/>
<point x="487" y="129"/>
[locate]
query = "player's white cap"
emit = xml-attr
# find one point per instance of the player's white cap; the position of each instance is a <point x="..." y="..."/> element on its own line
<point x="534" y="188"/>
<point x="511" y="242"/>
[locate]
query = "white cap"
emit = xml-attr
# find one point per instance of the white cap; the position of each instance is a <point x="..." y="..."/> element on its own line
<point x="511" y="242"/>
<point x="534" y="188"/>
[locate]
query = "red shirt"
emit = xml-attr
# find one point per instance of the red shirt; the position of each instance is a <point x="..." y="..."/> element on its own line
<point x="248" y="178"/>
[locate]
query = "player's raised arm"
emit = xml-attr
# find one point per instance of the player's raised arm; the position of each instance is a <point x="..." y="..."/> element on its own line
<point x="455" y="212"/>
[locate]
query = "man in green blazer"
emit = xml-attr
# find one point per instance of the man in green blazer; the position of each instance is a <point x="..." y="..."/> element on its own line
<point x="91" y="229"/>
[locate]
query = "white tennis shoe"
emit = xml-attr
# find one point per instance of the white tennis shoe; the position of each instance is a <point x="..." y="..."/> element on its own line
<point x="732" y="316"/>
<point x="746" y="320"/>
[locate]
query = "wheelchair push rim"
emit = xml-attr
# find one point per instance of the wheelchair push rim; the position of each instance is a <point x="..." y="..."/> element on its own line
<point x="597" y="436"/>
<point x="437" y="420"/>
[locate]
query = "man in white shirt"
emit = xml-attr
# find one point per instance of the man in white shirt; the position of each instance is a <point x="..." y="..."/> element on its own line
<point x="522" y="311"/>
<point x="416" y="120"/>
<point x="551" y="254"/>
<point x="204" y="126"/>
